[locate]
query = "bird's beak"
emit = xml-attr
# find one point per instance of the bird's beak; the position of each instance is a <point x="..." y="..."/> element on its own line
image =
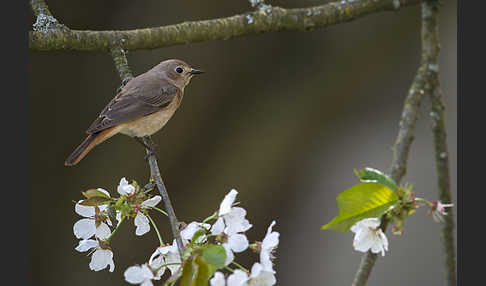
<point x="194" y="71"/>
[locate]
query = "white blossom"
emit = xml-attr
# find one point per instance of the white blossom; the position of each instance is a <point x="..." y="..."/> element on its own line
<point x="188" y="232"/>
<point x="218" y="279"/>
<point x="268" y="245"/>
<point x="237" y="278"/>
<point x="369" y="236"/>
<point x="139" y="274"/>
<point x="91" y="224"/>
<point x="167" y="254"/>
<point x="124" y="188"/>
<point x="260" y="276"/>
<point x="227" y="202"/>
<point x="438" y="210"/>
<point x="232" y="222"/>
<point x="101" y="257"/>
<point x="141" y="221"/>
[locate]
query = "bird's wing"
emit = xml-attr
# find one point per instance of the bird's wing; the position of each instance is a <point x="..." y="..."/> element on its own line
<point x="133" y="102"/>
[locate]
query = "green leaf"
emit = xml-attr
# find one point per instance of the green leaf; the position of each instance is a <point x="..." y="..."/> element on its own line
<point x="203" y="272"/>
<point x="196" y="272"/>
<point x="187" y="273"/>
<point x="94" y="201"/>
<point x="94" y="193"/>
<point x="370" y="175"/>
<point x="359" y="202"/>
<point x="197" y="235"/>
<point x="214" y="254"/>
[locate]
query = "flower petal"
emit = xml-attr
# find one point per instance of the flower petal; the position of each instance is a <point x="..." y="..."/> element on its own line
<point x="218" y="226"/>
<point x="191" y="229"/>
<point x="261" y="277"/>
<point x="124" y="188"/>
<point x="86" y="244"/>
<point x="229" y="254"/>
<point x="363" y="240"/>
<point x="100" y="259"/>
<point x="271" y="238"/>
<point x="152" y="202"/>
<point x="156" y="263"/>
<point x="134" y="274"/>
<point x="84" y="228"/>
<point x="86" y="211"/>
<point x="238" y="242"/>
<point x="103" y="231"/>
<point x="227" y="202"/>
<point x="365" y="223"/>
<point x="147" y="283"/>
<point x="237" y="278"/>
<point x="256" y="269"/>
<point x="142" y="224"/>
<point x="173" y="258"/>
<point x="235" y="221"/>
<point x="217" y="280"/>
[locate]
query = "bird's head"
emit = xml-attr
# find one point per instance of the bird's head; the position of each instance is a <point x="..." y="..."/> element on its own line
<point x="177" y="71"/>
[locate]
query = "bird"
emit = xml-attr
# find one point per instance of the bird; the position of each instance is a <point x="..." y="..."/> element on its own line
<point x="141" y="107"/>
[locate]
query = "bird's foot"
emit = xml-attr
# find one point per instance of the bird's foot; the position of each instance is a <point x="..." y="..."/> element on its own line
<point x="150" y="152"/>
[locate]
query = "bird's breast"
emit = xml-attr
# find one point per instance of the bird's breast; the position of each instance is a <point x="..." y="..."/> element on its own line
<point x="150" y="124"/>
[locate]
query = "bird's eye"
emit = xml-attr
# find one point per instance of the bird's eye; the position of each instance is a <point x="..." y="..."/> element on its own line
<point x="179" y="70"/>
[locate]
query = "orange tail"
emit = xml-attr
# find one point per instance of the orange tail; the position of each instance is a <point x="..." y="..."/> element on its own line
<point x="88" y="144"/>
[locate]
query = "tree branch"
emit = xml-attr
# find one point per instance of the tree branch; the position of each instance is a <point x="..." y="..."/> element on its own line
<point x="401" y="149"/>
<point x="40" y="7"/>
<point x="121" y="64"/>
<point x="155" y="174"/>
<point x="268" y="20"/>
<point x="430" y="14"/>
<point x="426" y="82"/>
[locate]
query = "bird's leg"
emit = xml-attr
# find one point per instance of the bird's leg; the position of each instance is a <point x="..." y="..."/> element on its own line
<point x="150" y="148"/>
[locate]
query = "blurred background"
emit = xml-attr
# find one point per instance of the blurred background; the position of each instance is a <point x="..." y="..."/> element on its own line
<point x="282" y="117"/>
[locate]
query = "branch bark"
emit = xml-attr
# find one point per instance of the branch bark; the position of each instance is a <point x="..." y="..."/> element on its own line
<point x="40" y="7"/>
<point x="426" y="82"/>
<point x="401" y="149"/>
<point x="430" y="13"/>
<point x="275" y="19"/>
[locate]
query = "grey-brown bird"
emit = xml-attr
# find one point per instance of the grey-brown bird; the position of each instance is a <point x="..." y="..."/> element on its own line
<point x="141" y="108"/>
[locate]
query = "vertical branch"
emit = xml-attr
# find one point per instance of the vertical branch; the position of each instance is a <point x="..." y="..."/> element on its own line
<point x="401" y="149"/>
<point x="121" y="64"/>
<point x="426" y="82"/>
<point x="40" y="7"/>
<point x="155" y="174"/>
<point x="430" y="14"/>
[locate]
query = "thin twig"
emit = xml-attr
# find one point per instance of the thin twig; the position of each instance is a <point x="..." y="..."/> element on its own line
<point x="255" y="22"/>
<point x="155" y="174"/>
<point x="401" y="149"/>
<point x="430" y="14"/>
<point x="425" y="80"/>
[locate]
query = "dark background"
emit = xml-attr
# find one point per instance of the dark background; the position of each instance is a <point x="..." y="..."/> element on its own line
<point x="282" y="117"/>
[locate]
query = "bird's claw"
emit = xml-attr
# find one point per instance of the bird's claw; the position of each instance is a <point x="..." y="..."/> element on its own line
<point x="149" y="153"/>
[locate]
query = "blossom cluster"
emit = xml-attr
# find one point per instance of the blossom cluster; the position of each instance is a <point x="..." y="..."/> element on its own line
<point x="211" y="243"/>
<point x="97" y="222"/>
<point x="370" y="237"/>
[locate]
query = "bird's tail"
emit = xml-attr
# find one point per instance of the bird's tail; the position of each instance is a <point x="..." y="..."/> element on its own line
<point x="91" y="141"/>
